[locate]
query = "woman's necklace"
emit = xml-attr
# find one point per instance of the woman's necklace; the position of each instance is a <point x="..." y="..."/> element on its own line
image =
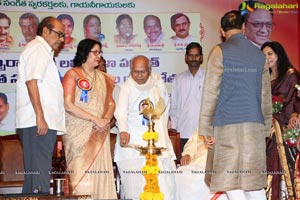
<point x="90" y="77"/>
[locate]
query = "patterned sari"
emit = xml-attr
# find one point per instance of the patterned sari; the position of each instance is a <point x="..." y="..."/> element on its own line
<point x="280" y="157"/>
<point x="87" y="150"/>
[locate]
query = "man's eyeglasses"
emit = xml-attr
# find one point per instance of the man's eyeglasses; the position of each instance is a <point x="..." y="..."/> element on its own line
<point x="59" y="34"/>
<point x="268" y="25"/>
<point x="96" y="53"/>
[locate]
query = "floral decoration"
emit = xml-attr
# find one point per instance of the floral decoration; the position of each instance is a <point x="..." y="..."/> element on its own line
<point x="290" y="136"/>
<point x="150" y="135"/>
<point x="277" y="103"/>
<point x="150" y="172"/>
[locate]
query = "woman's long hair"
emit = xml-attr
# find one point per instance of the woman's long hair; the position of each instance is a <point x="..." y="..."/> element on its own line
<point x="283" y="62"/>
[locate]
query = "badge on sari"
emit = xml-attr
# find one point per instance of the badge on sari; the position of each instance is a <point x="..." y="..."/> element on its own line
<point x="85" y="86"/>
<point x="142" y="105"/>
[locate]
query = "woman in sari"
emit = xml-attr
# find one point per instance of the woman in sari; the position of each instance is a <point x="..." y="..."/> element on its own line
<point x="294" y="123"/>
<point x="90" y="107"/>
<point x="280" y="155"/>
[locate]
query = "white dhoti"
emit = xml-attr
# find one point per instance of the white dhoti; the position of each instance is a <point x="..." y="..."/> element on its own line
<point x="133" y="181"/>
<point x="190" y="184"/>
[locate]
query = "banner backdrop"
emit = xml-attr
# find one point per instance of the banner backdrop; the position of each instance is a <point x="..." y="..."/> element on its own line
<point x="167" y="56"/>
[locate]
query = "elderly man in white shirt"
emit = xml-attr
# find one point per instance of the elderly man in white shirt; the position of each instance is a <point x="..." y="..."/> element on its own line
<point x="142" y="84"/>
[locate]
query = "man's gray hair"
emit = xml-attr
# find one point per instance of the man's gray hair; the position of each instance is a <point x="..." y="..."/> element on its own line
<point x="141" y="56"/>
<point x="29" y="16"/>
